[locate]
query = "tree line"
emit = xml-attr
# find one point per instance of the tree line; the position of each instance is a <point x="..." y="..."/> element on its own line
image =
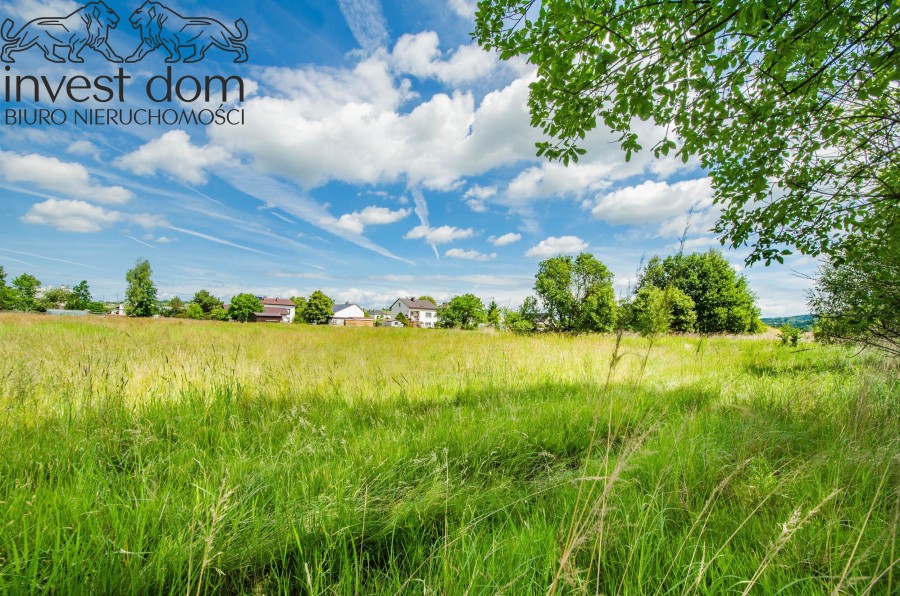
<point x="790" y="107"/>
<point x="22" y="294"/>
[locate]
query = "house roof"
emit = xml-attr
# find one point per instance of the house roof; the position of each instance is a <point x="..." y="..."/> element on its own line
<point x="339" y="307"/>
<point x="277" y="302"/>
<point x="274" y="312"/>
<point x="418" y="304"/>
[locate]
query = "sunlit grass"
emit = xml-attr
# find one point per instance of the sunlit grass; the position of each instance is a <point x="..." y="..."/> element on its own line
<point x="179" y="457"/>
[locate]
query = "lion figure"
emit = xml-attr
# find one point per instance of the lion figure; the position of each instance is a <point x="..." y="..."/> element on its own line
<point x="162" y="27"/>
<point x="87" y="27"/>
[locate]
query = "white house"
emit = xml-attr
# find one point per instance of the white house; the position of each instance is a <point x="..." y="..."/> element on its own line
<point x="421" y="313"/>
<point x="350" y="315"/>
<point x="280" y="306"/>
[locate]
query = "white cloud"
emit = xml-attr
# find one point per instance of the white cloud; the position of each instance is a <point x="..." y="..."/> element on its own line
<point x="66" y="178"/>
<point x="84" y="149"/>
<point x="469" y="255"/>
<point x="464" y="8"/>
<point x="553" y="246"/>
<point x="441" y="235"/>
<point x="366" y="21"/>
<point x="505" y="240"/>
<point x="356" y="222"/>
<point x="35" y="9"/>
<point x="478" y="195"/>
<point x="173" y="154"/>
<point x="71" y="216"/>
<point x="653" y="202"/>
<point x="419" y="55"/>
<point x="166" y="240"/>
<point x="348" y="125"/>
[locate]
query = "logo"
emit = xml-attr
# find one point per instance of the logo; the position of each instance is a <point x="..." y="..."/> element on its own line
<point x="86" y="27"/>
<point x="183" y="39"/>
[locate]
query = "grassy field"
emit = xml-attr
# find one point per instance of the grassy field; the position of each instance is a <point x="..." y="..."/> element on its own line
<point x="158" y="457"/>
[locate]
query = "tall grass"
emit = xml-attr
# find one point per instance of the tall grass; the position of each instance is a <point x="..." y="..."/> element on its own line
<point x="188" y="458"/>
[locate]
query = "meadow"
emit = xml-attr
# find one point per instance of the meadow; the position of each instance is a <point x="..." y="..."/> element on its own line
<point x="177" y="457"/>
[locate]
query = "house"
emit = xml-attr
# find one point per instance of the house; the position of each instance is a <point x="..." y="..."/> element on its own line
<point x="350" y="315"/>
<point x="272" y="315"/>
<point x="385" y="318"/>
<point x="279" y="304"/>
<point x="118" y="311"/>
<point x="421" y="313"/>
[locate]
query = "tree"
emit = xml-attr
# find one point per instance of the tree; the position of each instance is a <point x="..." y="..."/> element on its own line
<point x="463" y="312"/>
<point x="650" y="314"/>
<point x="243" y="306"/>
<point x="194" y="311"/>
<point x="722" y="299"/>
<point x="206" y="301"/>
<point x="403" y="319"/>
<point x="2" y="277"/>
<point x="25" y="292"/>
<point x="300" y="311"/>
<point x="319" y="308"/>
<point x="493" y="314"/>
<point x="791" y="106"/>
<point x="176" y="308"/>
<point x="523" y="320"/>
<point x="53" y="298"/>
<point x="859" y="302"/>
<point x="577" y="294"/>
<point x="80" y="297"/>
<point x="140" y="296"/>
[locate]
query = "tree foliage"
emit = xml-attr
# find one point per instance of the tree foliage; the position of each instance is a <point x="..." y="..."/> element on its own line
<point x="243" y="306"/>
<point x="462" y="312"/>
<point x="791" y="106"/>
<point x="577" y="294"/>
<point x="80" y="297"/>
<point x="25" y="289"/>
<point x="523" y="320"/>
<point x="207" y="302"/>
<point x="859" y="302"/>
<point x="140" y="296"/>
<point x="722" y="300"/>
<point x="300" y="310"/>
<point x="493" y="314"/>
<point x="319" y="308"/>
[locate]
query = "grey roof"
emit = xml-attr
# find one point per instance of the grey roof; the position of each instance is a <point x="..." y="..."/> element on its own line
<point x="418" y="304"/>
<point x="339" y="307"/>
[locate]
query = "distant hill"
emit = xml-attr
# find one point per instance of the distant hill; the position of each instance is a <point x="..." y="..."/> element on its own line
<point x="804" y="322"/>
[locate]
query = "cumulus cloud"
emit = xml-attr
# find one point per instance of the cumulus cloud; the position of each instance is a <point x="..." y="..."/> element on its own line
<point x="505" y="240"/>
<point x="652" y="202"/>
<point x="173" y="154"/>
<point x="66" y="178"/>
<point x="84" y="149"/>
<point x="553" y="246"/>
<point x="357" y="221"/>
<point x="441" y="235"/>
<point x="370" y="138"/>
<point x="420" y="56"/>
<point x="469" y="255"/>
<point x="71" y="216"/>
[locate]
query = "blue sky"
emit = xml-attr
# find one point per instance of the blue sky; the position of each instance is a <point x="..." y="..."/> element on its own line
<point x="383" y="155"/>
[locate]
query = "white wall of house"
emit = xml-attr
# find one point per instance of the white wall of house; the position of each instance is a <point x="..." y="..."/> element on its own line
<point x="351" y="312"/>
<point x="426" y="318"/>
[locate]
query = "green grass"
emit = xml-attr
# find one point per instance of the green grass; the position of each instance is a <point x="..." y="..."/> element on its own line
<point x="158" y="457"/>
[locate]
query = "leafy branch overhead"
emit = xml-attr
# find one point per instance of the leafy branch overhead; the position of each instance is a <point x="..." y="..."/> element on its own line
<point x="792" y="107"/>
